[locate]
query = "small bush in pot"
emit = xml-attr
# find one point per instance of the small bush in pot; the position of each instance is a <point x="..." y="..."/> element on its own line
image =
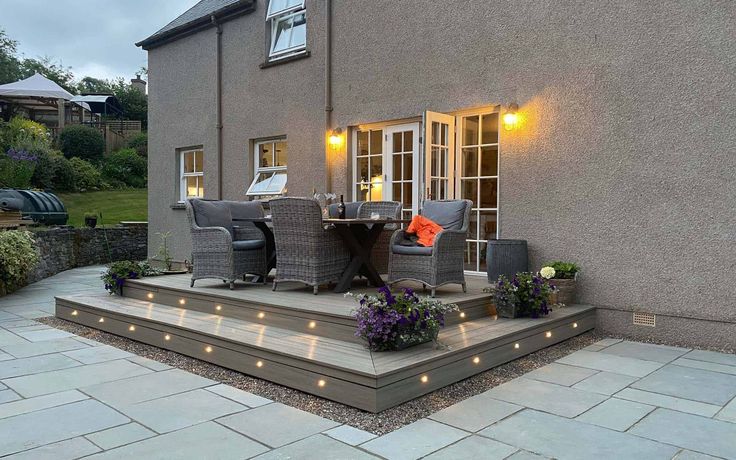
<point x="526" y="294"/>
<point x="391" y="321"/>
<point x="90" y="219"/>
<point x="117" y="272"/>
<point x="563" y="275"/>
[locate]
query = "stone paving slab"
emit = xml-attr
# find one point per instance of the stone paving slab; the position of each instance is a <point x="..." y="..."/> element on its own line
<point x="350" y="435"/>
<point x="204" y="441"/>
<point x="475" y="413"/>
<point x="27" y="349"/>
<point x="559" y="437"/>
<point x="728" y="413"/>
<point x="415" y="440"/>
<point x="316" y="447"/>
<point x="690" y="455"/>
<point x="715" y="367"/>
<point x="181" y="410"/>
<point x="8" y="396"/>
<point x="524" y="455"/>
<point x="36" y="364"/>
<point x="120" y="435"/>
<point x="700" y="434"/>
<point x="146" y="387"/>
<point x="24" y="406"/>
<point x="689" y="383"/>
<point x="75" y="377"/>
<point x="670" y="402"/>
<point x="712" y="357"/>
<point x="606" y="383"/>
<point x="277" y="424"/>
<point x="35" y="429"/>
<point x="69" y="449"/>
<point x="611" y="363"/>
<point x="8" y="338"/>
<point x="45" y="334"/>
<point x="616" y="414"/>
<point x="646" y="351"/>
<point x="149" y="363"/>
<point x="561" y="374"/>
<point x="239" y="396"/>
<point x="94" y="355"/>
<point x="474" y="447"/>
<point x="547" y="397"/>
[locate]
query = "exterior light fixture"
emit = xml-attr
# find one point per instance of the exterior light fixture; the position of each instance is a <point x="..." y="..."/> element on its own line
<point x="182" y="301"/>
<point x="167" y="337"/>
<point x="261" y="315"/>
<point x="511" y="117"/>
<point x="208" y="349"/>
<point x="321" y="383"/>
<point x="516" y="346"/>
<point x="259" y="363"/>
<point x="312" y="325"/>
<point x="335" y="138"/>
<point x="574" y="324"/>
<point x="548" y="334"/>
<point x="131" y="328"/>
<point x="75" y="313"/>
<point x="150" y="295"/>
<point x="101" y="320"/>
<point x="424" y="379"/>
<point x="476" y="360"/>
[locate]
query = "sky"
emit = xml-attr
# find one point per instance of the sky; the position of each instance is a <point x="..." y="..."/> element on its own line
<point x="95" y="37"/>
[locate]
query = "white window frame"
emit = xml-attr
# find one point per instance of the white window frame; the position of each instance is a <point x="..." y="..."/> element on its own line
<point x="184" y="175"/>
<point x="279" y="17"/>
<point x="258" y="169"/>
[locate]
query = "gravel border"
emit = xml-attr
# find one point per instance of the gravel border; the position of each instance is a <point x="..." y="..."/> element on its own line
<point x="381" y="423"/>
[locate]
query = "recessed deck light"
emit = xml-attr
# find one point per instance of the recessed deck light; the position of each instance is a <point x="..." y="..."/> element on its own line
<point x="476" y="360"/>
<point x="150" y="295"/>
<point x="548" y="334"/>
<point x="218" y="307"/>
<point x="574" y="324"/>
<point x="516" y="346"/>
<point x="424" y="379"/>
<point x="75" y="313"/>
<point x="208" y="349"/>
<point x="462" y="314"/>
<point x="182" y="301"/>
<point x="101" y="320"/>
<point x="167" y="337"/>
<point x="261" y="315"/>
<point x="321" y="383"/>
<point x="131" y="328"/>
<point x="259" y="364"/>
<point x="312" y="325"/>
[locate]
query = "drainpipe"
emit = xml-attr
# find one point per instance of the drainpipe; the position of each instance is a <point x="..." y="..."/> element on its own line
<point x="328" y="92"/>
<point x="218" y="104"/>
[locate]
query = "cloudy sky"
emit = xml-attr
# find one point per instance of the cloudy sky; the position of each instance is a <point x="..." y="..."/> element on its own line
<point x="95" y="37"/>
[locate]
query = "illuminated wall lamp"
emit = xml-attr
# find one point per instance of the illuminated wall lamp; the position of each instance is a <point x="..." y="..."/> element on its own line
<point x="511" y="117"/>
<point x="335" y="138"/>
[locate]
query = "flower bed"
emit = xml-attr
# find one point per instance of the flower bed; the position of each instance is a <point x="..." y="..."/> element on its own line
<point x="390" y="321"/>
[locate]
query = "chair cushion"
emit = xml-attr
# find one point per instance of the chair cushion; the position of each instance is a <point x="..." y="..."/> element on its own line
<point x="351" y="210"/>
<point x="212" y="214"/>
<point x="245" y="245"/>
<point x="412" y="250"/>
<point x="449" y="214"/>
<point x="245" y="209"/>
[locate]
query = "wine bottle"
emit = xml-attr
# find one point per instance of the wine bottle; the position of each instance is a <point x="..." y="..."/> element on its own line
<point x="341" y="208"/>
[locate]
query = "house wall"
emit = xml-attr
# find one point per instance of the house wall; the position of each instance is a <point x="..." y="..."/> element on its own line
<point x="623" y="163"/>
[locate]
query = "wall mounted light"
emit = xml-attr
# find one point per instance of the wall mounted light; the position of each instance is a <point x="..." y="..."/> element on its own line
<point x="335" y="138"/>
<point x="511" y="117"/>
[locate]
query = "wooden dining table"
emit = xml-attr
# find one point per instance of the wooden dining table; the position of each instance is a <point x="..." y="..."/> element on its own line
<point x="359" y="236"/>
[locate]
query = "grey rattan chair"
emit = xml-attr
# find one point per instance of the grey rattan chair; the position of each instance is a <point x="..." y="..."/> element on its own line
<point x="305" y="251"/>
<point x="385" y="209"/>
<point x="220" y="250"/>
<point x="441" y="263"/>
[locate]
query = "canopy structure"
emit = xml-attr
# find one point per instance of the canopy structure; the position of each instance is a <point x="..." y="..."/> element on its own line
<point x="41" y="98"/>
<point x="102" y="104"/>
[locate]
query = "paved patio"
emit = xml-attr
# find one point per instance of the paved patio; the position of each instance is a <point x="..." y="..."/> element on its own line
<point x="66" y="397"/>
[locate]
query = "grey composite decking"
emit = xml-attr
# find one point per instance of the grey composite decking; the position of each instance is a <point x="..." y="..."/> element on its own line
<point x="295" y="343"/>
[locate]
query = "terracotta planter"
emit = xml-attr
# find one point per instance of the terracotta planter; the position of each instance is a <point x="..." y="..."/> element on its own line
<point x="566" y="291"/>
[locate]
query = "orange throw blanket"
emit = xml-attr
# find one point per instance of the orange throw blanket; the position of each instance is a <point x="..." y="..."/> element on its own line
<point x="425" y="229"/>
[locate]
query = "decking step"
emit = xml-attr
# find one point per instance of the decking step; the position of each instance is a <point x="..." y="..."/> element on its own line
<point x="341" y="370"/>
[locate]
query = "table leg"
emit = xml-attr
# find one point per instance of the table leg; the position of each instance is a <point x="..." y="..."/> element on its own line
<point x="359" y="241"/>
<point x="270" y="248"/>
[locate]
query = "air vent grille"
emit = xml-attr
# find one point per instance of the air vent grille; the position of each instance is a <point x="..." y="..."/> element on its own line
<point x="645" y="319"/>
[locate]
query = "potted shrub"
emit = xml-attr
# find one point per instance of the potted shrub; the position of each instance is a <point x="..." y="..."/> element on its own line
<point x="117" y="272"/>
<point x="90" y="219"/>
<point x="526" y="294"/>
<point x="563" y="276"/>
<point x="389" y="321"/>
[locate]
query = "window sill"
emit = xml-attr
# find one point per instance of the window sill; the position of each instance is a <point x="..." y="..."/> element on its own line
<point x="178" y="206"/>
<point x="285" y="60"/>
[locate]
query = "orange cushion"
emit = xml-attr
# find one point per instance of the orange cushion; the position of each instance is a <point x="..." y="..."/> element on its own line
<point x="425" y="229"/>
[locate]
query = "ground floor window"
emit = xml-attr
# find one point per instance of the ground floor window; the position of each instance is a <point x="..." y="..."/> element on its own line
<point x="191" y="174"/>
<point x="269" y="175"/>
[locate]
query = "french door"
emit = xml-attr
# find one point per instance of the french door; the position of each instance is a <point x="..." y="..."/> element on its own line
<point x="461" y="162"/>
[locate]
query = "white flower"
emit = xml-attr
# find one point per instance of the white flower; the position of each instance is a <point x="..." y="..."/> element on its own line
<point x="547" y="272"/>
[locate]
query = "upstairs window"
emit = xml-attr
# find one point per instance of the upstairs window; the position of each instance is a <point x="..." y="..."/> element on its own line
<point x="288" y="27"/>
<point x="270" y="169"/>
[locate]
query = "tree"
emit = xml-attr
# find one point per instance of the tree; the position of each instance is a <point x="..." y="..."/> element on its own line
<point x="54" y="71"/>
<point x="134" y="103"/>
<point x="91" y="85"/>
<point x="10" y="70"/>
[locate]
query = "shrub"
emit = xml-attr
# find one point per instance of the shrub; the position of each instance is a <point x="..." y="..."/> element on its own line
<point x="24" y="134"/>
<point x="526" y="294"/>
<point x="126" y="166"/>
<point x="117" y="272"/>
<point x="139" y="143"/>
<point x="86" y="176"/>
<point x="18" y="256"/>
<point x="563" y="270"/>
<point x="16" y="168"/>
<point x="83" y="142"/>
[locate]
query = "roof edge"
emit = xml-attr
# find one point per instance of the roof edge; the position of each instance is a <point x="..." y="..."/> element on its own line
<point x="223" y="14"/>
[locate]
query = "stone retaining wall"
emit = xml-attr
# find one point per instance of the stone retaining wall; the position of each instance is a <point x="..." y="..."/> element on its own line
<point x="64" y="248"/>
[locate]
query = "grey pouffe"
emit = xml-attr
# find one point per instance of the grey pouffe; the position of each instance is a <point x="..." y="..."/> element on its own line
<point x="506" y="257"/>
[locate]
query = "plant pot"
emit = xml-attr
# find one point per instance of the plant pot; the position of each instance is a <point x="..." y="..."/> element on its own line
<point x="507" y="311"/>
<point x="414" y="337"/>
<point x="566" y="291"/>
<point x="174" y="272"/>
<point x="90" y="222"/>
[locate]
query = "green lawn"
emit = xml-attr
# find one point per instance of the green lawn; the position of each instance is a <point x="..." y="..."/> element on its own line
<point x="114" y="205"/>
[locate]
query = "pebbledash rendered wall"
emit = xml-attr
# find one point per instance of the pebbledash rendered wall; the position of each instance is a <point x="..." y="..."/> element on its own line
<point x="624" y="162"/>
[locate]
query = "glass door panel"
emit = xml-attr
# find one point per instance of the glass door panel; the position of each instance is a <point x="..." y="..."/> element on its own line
<point x="439" y="139"/>
<point x="400" y="155"/>
<point x="368" y="165"/>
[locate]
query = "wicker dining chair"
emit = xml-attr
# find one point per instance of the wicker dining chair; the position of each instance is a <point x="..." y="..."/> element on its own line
<point x="441" y="263"/>
<point x="305" y="251"/>
<point x="385" y="209"/>
<point x="221" y="250"/>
